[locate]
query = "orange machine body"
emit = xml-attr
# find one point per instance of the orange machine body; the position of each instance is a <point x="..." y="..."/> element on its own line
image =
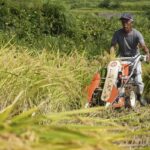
<point x="94" y="84"/>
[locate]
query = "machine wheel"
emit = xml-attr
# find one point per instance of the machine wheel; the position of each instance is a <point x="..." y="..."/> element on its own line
<point x="96" y="98"/>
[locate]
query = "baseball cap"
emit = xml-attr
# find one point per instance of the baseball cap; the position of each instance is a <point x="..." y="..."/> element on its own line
<point x="126" y="16"/>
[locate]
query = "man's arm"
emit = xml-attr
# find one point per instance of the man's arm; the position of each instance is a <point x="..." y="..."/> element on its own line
<point x="114" y="42"/>
<point x="146" y="50"/>
<point x="143" y="45"/>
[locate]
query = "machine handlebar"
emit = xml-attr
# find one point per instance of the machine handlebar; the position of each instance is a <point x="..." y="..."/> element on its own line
<point x="141" y="58"/>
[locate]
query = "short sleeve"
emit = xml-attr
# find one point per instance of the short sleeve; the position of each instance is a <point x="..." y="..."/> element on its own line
<point x="140" y="38"/>
<point x="114" y="39"/>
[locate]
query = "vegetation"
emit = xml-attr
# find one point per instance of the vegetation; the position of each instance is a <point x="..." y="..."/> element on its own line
<point x="110" y="4"/>
<point x="53" y="25"/>
<point x="49" y="51"/>
<point x="55" y="78"/>
<point x="35" y="84"/>
<point x="82" y="129"/>
<point x="58" y="79"/>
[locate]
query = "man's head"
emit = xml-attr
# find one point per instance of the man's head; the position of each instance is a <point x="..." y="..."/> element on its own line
<point x="127" y="21"/>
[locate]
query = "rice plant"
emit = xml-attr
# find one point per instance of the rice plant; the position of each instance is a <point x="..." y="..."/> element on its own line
<point x="56" y="78"/>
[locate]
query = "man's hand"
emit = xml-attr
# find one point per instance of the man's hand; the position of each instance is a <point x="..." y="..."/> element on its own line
<point x="112" y="53"/>
<point x="112" y="50"/>
<point x="148" y="57"/>
<point x="145" y="48"/>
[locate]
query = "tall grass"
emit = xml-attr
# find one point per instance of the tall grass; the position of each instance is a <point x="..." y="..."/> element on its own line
<point x="56" y="78"/>
<point x="146" y="78"/>
<point x="82" y="129"/>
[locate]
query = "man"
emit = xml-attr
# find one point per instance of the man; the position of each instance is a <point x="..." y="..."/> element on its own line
<point x="129" y="40"/>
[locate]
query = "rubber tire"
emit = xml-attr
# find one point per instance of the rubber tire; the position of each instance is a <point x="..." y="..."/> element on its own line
<point x="96" y="98"/>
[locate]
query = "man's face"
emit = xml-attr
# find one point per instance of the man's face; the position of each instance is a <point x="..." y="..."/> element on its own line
<point x="127" y="25"/>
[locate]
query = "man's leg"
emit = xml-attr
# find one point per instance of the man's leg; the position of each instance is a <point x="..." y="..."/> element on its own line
<point x="139" y="81"/>
<point x="140" y="87"/>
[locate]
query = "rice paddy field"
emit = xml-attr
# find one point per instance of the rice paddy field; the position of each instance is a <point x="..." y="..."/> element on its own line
<point x="46" y="64"/>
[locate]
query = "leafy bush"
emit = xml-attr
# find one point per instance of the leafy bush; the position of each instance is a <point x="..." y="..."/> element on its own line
<point x="57" y="19"/>
<point x="31" y="22"/>
<point x="147" y="13"/>
<point x="110" y="4"/>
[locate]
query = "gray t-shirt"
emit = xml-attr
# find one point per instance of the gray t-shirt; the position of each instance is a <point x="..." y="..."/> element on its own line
<point x="128" y="42"/>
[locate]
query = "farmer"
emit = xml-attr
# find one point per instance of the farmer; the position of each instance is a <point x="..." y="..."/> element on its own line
<point x="129" y="40"/>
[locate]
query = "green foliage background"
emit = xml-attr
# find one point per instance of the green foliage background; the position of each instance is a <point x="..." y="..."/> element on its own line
<point x="54" y="24"/>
